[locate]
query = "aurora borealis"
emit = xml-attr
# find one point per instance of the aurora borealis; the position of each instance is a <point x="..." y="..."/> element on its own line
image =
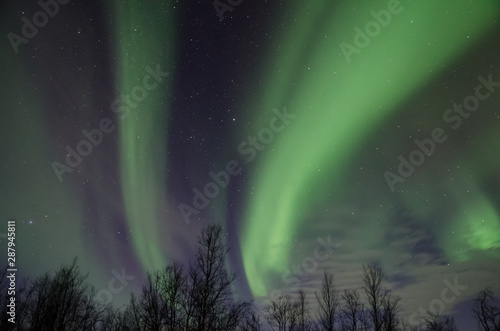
<point x="189" y="96"/>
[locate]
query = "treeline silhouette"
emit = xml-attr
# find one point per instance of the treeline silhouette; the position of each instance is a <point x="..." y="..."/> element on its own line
<point x="200" y="298"/>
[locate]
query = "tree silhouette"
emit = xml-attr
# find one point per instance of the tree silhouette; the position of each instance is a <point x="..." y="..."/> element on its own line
<point x="251" y="321"/>
<point x="303" y="323"/>
<point x="149" y="309"/>
<point x="328" y="302"/>
<point x="200" y="298"/>
<point x="281" y="314"/>
<point x="390" y="320"/>
<point x="352" y="310"/>
<point x="375" y="295"/>
<point x="487" y="315"/>
<point x="436" y="322"/>
<point x="171" y="286"/>
<point x="211" y="284"/>
<point x="62" y="302"/>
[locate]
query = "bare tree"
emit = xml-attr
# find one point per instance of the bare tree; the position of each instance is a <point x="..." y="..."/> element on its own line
<point x="114" y="319"/>
<point x="62" y="302"/>
<point x="365" y="320"/>
<point x="390" y="312"/>
<point x="161" y="303"/>
<point x="302" y="308"/>
<point x="189" y="299"/>
<point x="487" y="315"/>
<point x="149" y="310"/>
<point x="328" y="302"/>
<point x="285" y="313"/>
<point x="375" y="295"/>
<point x="352" y="310"/>
<point x="200" y="300"/>
<point x="231" y="317"/>
<point x="171" y="285"/>
<point x="281" y="314"/>
<point x="128" y="319"/>
<point x="211" y="282"/>
<point x="251" y="321"/>
<point x="436" y="322"/>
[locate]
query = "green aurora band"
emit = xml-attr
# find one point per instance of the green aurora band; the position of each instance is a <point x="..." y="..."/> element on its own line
<point x="144" y="35"/>
<point x="338" y="103"/>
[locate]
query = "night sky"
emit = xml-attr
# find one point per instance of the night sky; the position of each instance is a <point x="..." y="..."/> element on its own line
<point x="358" y="131"/>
